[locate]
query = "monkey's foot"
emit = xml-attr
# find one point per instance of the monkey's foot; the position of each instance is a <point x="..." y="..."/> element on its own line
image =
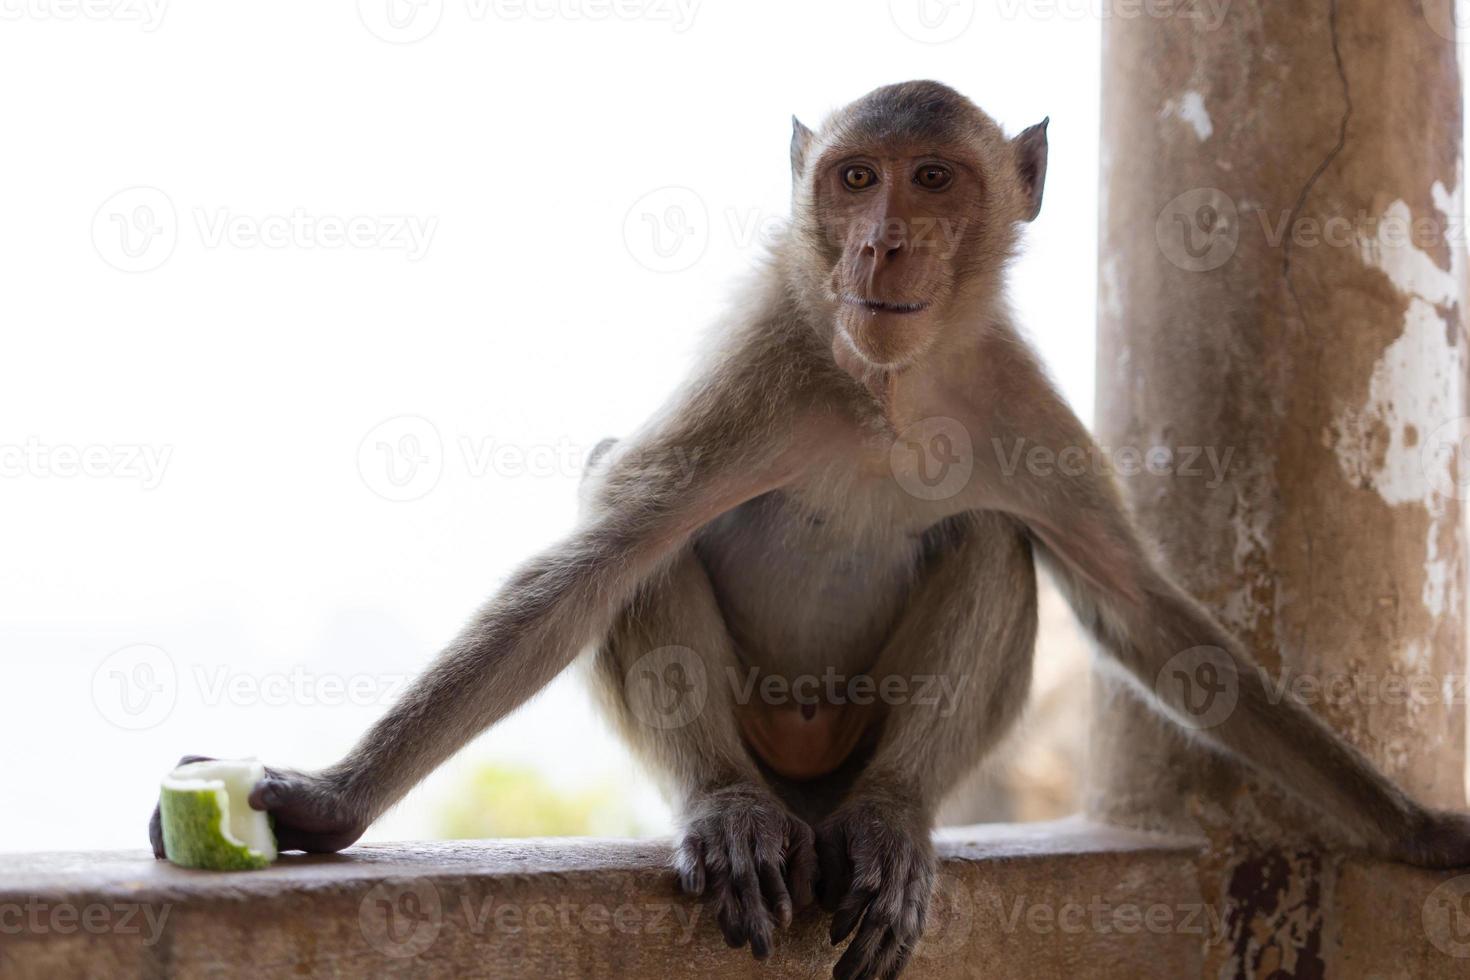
<point x="1443" y="842"/>
<point x="751" y="859"/>
<point x="878" y="867"/>
<point x="307" y="812"/>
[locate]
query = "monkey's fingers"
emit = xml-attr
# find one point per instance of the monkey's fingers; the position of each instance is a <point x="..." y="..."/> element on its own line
<point x="891" y="929"/>
<point x="849" y="912"/>
<point x="155" y="832"/>
<point x="689" y="865"/>
<point x="801" y="864"/>
<point x="754" y="917"/>
<point x="773" y="890"/>
<point x="866" y="951"/>
<point x="724" y="895"/>
<point x="835" y="864"/>
<point x="306" y="814"/>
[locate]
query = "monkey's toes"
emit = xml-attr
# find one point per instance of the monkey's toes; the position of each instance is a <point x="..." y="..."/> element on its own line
<point x="878" y="872"/>
<point x="752" y="862"/>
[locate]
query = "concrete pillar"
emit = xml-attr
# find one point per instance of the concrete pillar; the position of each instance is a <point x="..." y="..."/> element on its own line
<point x="1282" y="290"/>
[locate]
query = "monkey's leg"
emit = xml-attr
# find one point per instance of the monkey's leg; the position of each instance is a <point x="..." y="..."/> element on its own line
<point x="953" y="678"/>
<point x="666" y="675"/>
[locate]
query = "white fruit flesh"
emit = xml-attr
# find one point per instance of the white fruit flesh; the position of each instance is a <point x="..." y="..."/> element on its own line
<point x="230" y="781"/>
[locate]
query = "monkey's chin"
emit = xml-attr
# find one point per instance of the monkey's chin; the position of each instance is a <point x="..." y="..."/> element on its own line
<point x="889" y="341"/>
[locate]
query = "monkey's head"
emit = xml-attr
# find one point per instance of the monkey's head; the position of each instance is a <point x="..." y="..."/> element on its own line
<point x="905" y="212"/>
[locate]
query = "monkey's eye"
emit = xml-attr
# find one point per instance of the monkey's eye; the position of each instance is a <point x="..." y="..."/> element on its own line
<point x="933" y="177"/>
<point x="858" y="178"/>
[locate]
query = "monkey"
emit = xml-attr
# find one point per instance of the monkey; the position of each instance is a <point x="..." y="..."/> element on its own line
<point x="843" y="520"/>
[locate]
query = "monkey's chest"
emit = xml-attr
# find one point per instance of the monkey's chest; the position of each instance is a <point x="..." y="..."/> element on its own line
<point x="800" y="592"/>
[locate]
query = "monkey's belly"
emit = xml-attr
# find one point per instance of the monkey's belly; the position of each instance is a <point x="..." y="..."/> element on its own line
<point x="801" y="597"/>
<point x="804" y="741"/>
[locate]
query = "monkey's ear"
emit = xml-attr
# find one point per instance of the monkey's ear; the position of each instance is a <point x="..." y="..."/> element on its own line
<point x="1031" y="165"/>
<point x="801" y="139"/>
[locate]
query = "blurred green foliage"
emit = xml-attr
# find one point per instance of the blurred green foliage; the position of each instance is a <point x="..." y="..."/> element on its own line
<point x="510" y="801"/>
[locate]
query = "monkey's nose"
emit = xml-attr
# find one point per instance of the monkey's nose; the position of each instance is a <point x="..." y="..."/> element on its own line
<point x="881" y="251"/>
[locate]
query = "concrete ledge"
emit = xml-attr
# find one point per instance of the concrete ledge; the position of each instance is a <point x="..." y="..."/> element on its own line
<point x="1039" y="900"/>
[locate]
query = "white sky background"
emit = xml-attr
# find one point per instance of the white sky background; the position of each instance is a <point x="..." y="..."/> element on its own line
<point x="525" y="330"/>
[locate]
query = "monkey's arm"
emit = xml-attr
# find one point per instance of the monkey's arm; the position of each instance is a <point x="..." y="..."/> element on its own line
<point x="963" y="650"/>
<point x="1142" y="619"/>
<point x="657" y="489"/>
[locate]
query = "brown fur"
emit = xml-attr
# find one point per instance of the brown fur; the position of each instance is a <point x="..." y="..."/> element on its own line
<point x="796" y="549"/>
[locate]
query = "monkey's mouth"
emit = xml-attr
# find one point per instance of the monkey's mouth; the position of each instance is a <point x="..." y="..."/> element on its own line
<point x="881" y="306"/>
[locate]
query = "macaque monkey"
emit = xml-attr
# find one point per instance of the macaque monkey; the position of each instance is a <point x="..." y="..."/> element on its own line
<point x="845" y="519"/>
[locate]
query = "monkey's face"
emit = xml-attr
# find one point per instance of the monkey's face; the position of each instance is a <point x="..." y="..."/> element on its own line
<point x="907" y="204"/>
<point x="897" y="225"/>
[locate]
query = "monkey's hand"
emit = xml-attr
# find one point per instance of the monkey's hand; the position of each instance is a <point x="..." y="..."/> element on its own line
<point x="308" y="813"/>
<point x="1442" y="842"/>
<point x="878" y="866"/>
<point x="754" y="863"/>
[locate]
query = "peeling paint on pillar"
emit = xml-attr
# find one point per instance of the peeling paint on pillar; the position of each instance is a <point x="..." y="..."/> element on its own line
<point x="1333" y="367"/>
<point x="1274" y="918"/>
